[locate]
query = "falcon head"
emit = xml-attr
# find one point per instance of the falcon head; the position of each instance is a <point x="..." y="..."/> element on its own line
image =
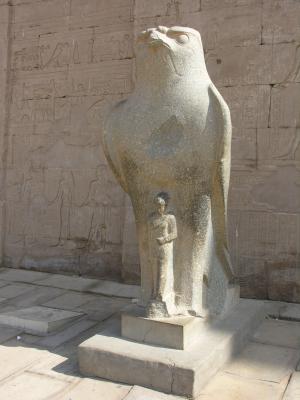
<point x="176" y="49"/>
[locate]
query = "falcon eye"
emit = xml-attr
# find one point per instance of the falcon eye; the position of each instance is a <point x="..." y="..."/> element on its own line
<point x="182" y="39"/>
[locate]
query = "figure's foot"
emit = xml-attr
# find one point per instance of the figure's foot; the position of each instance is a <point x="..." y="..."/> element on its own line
<point x="157" y="309"/>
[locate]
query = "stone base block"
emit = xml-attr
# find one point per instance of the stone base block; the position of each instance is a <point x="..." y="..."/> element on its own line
<point x="181" y="372"/>
<point x="175" y="332"/>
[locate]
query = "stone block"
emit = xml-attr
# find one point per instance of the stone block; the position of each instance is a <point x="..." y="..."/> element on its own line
<point x="67" y="334"/>
<point x="279" y="333"/>
<point x="80" y="284"/>
<point x="20" y="275"/>
<point x="293" y="390"/>
<point x="174" y="332"/>
<point x="96" y="390"/>
<point x="140" y="393"/>
<point x="158" y="8"/>
<point x="29" y="386"/>
<point x="11" y="291"/>
<point x="212" y="4"/>
<point x="184" y="372"/>
<point x="286" y="63"/>
<point x="7" y="333"/>
<point x="222" y="27"/>
<point x="38" y="320"/>
<point x="69" y="301"/>
<point x="264" y="362"/>
<point x="277" y="145"/>
<point x="280" y="21"/>
<point x="245" y="65"/>
<point x="249" y="106"/>
<point x="290" y="312"/>
<point x="228" y="387"/>
<point x="284" y="106"/>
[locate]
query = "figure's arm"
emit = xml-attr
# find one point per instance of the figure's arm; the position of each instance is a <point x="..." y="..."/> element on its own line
<point x="172" y="231"/>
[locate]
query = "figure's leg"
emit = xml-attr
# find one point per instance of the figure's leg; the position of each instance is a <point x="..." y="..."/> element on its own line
<point x="161" y="278"/>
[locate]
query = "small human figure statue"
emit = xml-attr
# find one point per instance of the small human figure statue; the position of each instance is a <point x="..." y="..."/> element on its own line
<point x="162" y="233"/>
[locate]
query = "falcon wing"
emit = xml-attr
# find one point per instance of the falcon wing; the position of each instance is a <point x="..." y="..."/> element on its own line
<point x="221" y="179"/>
<point x="109" y="151"/>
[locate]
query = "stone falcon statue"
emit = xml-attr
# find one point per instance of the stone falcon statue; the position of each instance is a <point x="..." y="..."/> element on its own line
<point x="173" y="135"/>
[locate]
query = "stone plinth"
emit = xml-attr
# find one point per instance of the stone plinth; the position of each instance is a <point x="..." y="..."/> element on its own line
<point x="181" y="372"/>
<point x="174" y="332"/>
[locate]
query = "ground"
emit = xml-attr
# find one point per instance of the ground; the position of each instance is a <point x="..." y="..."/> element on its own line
<point x="44" y="366"/>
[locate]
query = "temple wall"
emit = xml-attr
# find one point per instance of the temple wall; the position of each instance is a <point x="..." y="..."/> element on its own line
<point x="64" y="63"/>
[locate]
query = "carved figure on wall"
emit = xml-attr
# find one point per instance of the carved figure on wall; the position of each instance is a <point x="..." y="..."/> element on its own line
<point x="162" y="232"/>
<point x="173" y="134"/>
<point x="64" y="200"/>
<point x="100" y="202"/>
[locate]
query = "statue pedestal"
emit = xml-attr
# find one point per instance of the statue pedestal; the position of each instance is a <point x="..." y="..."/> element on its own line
<point x="110" y="356"/>
<point x="174" y="332"/>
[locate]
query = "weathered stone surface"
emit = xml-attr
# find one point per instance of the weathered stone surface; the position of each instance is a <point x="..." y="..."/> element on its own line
<point x="293" y="389"/>
<point x="160" y="162"/>
<point x="290" y="312"/>
<point x="264" y="362"/>
<point x="140" y="393"/>
<point x="92" y="285"/>
<point x="28" y="386"/>
<point x="38" y="320"/>
<point x="175" y="332"/>
<point x="231" y="387"/>
<point x="67" y="63"/>
<point x="18" y="275"/>
<point x="279" y="333"/>
<point x="67" y="334"/>
<point x="185" y="372"/>
<point x="69" y="301"/>
<point x="14" y="290"/>
<point x="93" y="389"/>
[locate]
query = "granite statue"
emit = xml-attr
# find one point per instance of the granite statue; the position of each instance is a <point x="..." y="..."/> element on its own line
<point x="172" y="135"/>
<point x="162" y="232"/>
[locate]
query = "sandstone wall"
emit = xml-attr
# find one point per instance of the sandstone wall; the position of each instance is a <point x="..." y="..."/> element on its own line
<point x="63" y="63"/>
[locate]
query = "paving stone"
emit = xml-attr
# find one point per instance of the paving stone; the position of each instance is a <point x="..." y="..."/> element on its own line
<point x="3" y="283"/>
<point x="80" y="284"/>
<point x="29" y="386"/>
<point x="95" y="389"/>
<point x="67" y="334"/>
<point x="21" y="275"/>
<point x="70" y="301"/>
<point x="103" y="307"/>
<point x="279" y="333"/>
<point x="36" y="296"/>
<point x="291" y="311"/>
<point x="7" y="333"/>
<point x="57" y="366"/>
<point x="16" y="358"/>
<point x="231" y="387"/>
<point x="293" y="389"/>
<point x="69" y="282"/>
<point x="264" y="362"/>
<point x="11" y="291"/>
<point x="38" y="320"/>
<point x="141" y="393"/>
<point x="117" y="289"/>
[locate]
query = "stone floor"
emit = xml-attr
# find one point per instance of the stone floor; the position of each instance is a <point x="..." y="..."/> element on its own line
<point x="38" y="345"/>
